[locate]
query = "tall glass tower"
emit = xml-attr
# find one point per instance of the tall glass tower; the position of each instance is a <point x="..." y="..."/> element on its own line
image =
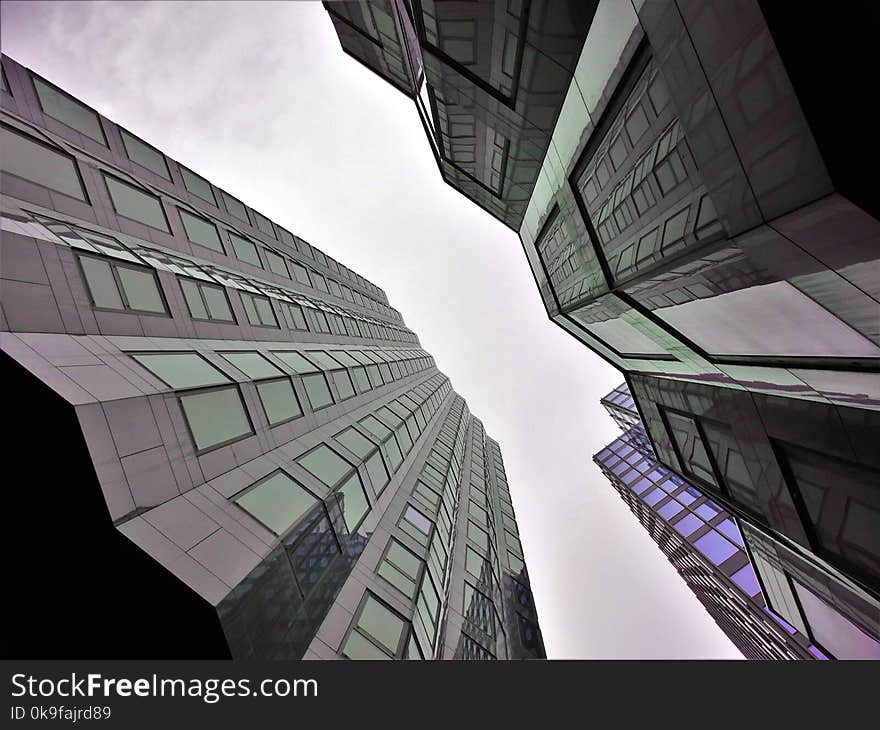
<point x="698" y="211"/>
<point x="231" y="443"/>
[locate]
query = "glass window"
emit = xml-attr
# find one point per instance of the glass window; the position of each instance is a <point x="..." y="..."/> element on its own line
<point x="317" y="391"/>
<point x="113" y="285"/>
<point x="653" y="497"/>
<point x="415" y="524"/>
<point x="182" y="369"/>
<point x="215" y="417"/>
<point x="325" y="464"/>
<point x="279" y="401"/>
<point x="381" y="625"/>
<point x="245" y="250"/>
<point x="833" y="630"/>
<point x="729" y="529"/>
<point x="707" y="510"/>
<point x="144" y="155"/>
<point x="295" y="318"/>
<point x="277" y="501"/>
<point x="300" y="273"/>
<point x="715" y="547"/>
<point x="38" y="162"/>
<point x="206" y="301"/>
<point x="795" y="325"/>
<point x="670" y="509"/>
<point x="264" y="224"/>
<point x="252" y="364"/>
<point x="356" y="442"/>
<point x="138" y="205"/>
<point x="354" y="501"/>
<point x="276" y="263"/>
<point x="235" y="207"/>
<point x="58" y="105"/>
<point x="695" y="460"/>
<point x="200" y="231"/>
<point x="400" y="567"/>
<point x="746" y="579"/>
<point x="198" y="186"/>
<point x="688" y="524"/>
<point x="258" y="310"/>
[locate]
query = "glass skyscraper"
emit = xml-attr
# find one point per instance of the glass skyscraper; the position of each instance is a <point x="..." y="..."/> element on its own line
<point x="704" y="543"/>
<point x="230" y="444"/>
<point x="693" y="211"/>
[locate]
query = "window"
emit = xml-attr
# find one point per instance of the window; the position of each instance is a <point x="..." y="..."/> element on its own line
<point x="215" y="415"/>
<point x="715" y="547"/>
<point x="368" y="452"/>
<point x="258" y="310"/>
<point x="294" y="315"/>
<point x="200" y="231"/>
<point x="400" y="567"/>
<point x="116" y="285"/>
<point x="206" y="301"/>
<point x="833" y="630"/>
<point x="416" y="525"/>
<point x="144" y="155"/>
<point x="353" y="501"/>
<point x="276" y="263"/>
<point x="36" y="161"/>
<point x="300" y="273"/>
<point x="198" y="186"/>
<point x="325" y="464"/>
<point x="337" y="373"/>
<point x="378" y="632"/>
<point x="275" y="390"/>
<point x="136" y="204"/>
<point x="313" y="379"/>
<point x="842" y="504"/>
<point x="691" y="449"/>
<point x="264" y="224"/>
<point x="245" y="250"/>
<point x="235" y="207"/>
<point x="277" y="501"/>
<point x="58" y="105"/>
<point x="386" y="436"/>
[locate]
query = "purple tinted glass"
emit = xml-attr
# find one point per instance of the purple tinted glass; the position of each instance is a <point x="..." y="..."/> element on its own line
<point x="782" y="622"/>
<point x="707" y="510"/>
<point x="669" y="510"/>
<point x="630" y="477"/>
<point x="654" y="497"/>
<point x="746" y="579"/>
<point x="687" y="524"/>
<point x="622" y="466"/>
<point x="729" y="528"/>
<point x="634" y="458"/>
<point x="667" y="486"/>
<point x="688" y="495"/>
<point x="816" y="652"/>
<point x="715" y="547"/>
<point x="416" y="518"/>
<point x="834" y="630"/>
<point x="642" y="485"/>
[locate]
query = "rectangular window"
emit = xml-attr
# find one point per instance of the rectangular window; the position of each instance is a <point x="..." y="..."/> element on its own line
<point x="276" y="263"/>
<point x="181" y="369"/>
<point x="277" y="502"/>
<point x="400" y="567"/>
<point x="39" y="163"/>
<point x="206" y="301"/>
<point x="416" y="525"/>
<point x="136" y="204"/>
<point x="201" y="231"/>
<point x="144" y="155"/>
<point x="258" y="309"/>
<point x="279" y="401"/>
<point x="690" y="446"/>
<point x="294" y="315"/>
<point x="301" y="273"/>
<point x="198" y="186"/>
<point x="115" y="285"/>
<point x="235" y="207"/>
<point x="264" y="224"/>
<point x="353" y="502"/>
<point x="216" y="417"/>
<point x="67" y="110"/>
<point x="378" y="632"/>
<point x="245" y="250"/>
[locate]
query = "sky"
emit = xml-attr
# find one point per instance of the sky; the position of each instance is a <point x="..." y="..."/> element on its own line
<point x="260" y="99"/>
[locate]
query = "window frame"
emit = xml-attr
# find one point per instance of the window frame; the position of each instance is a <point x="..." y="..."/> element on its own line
<point x="114" y="263"/>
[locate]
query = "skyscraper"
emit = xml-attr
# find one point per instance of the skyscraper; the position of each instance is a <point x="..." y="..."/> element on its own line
<point x="701" y="219"/>
<point x="704" y="543"/>
<point x="227" y="443"/>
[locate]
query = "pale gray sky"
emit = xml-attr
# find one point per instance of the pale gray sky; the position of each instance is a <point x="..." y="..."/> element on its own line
<point x="260" y="99"/>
